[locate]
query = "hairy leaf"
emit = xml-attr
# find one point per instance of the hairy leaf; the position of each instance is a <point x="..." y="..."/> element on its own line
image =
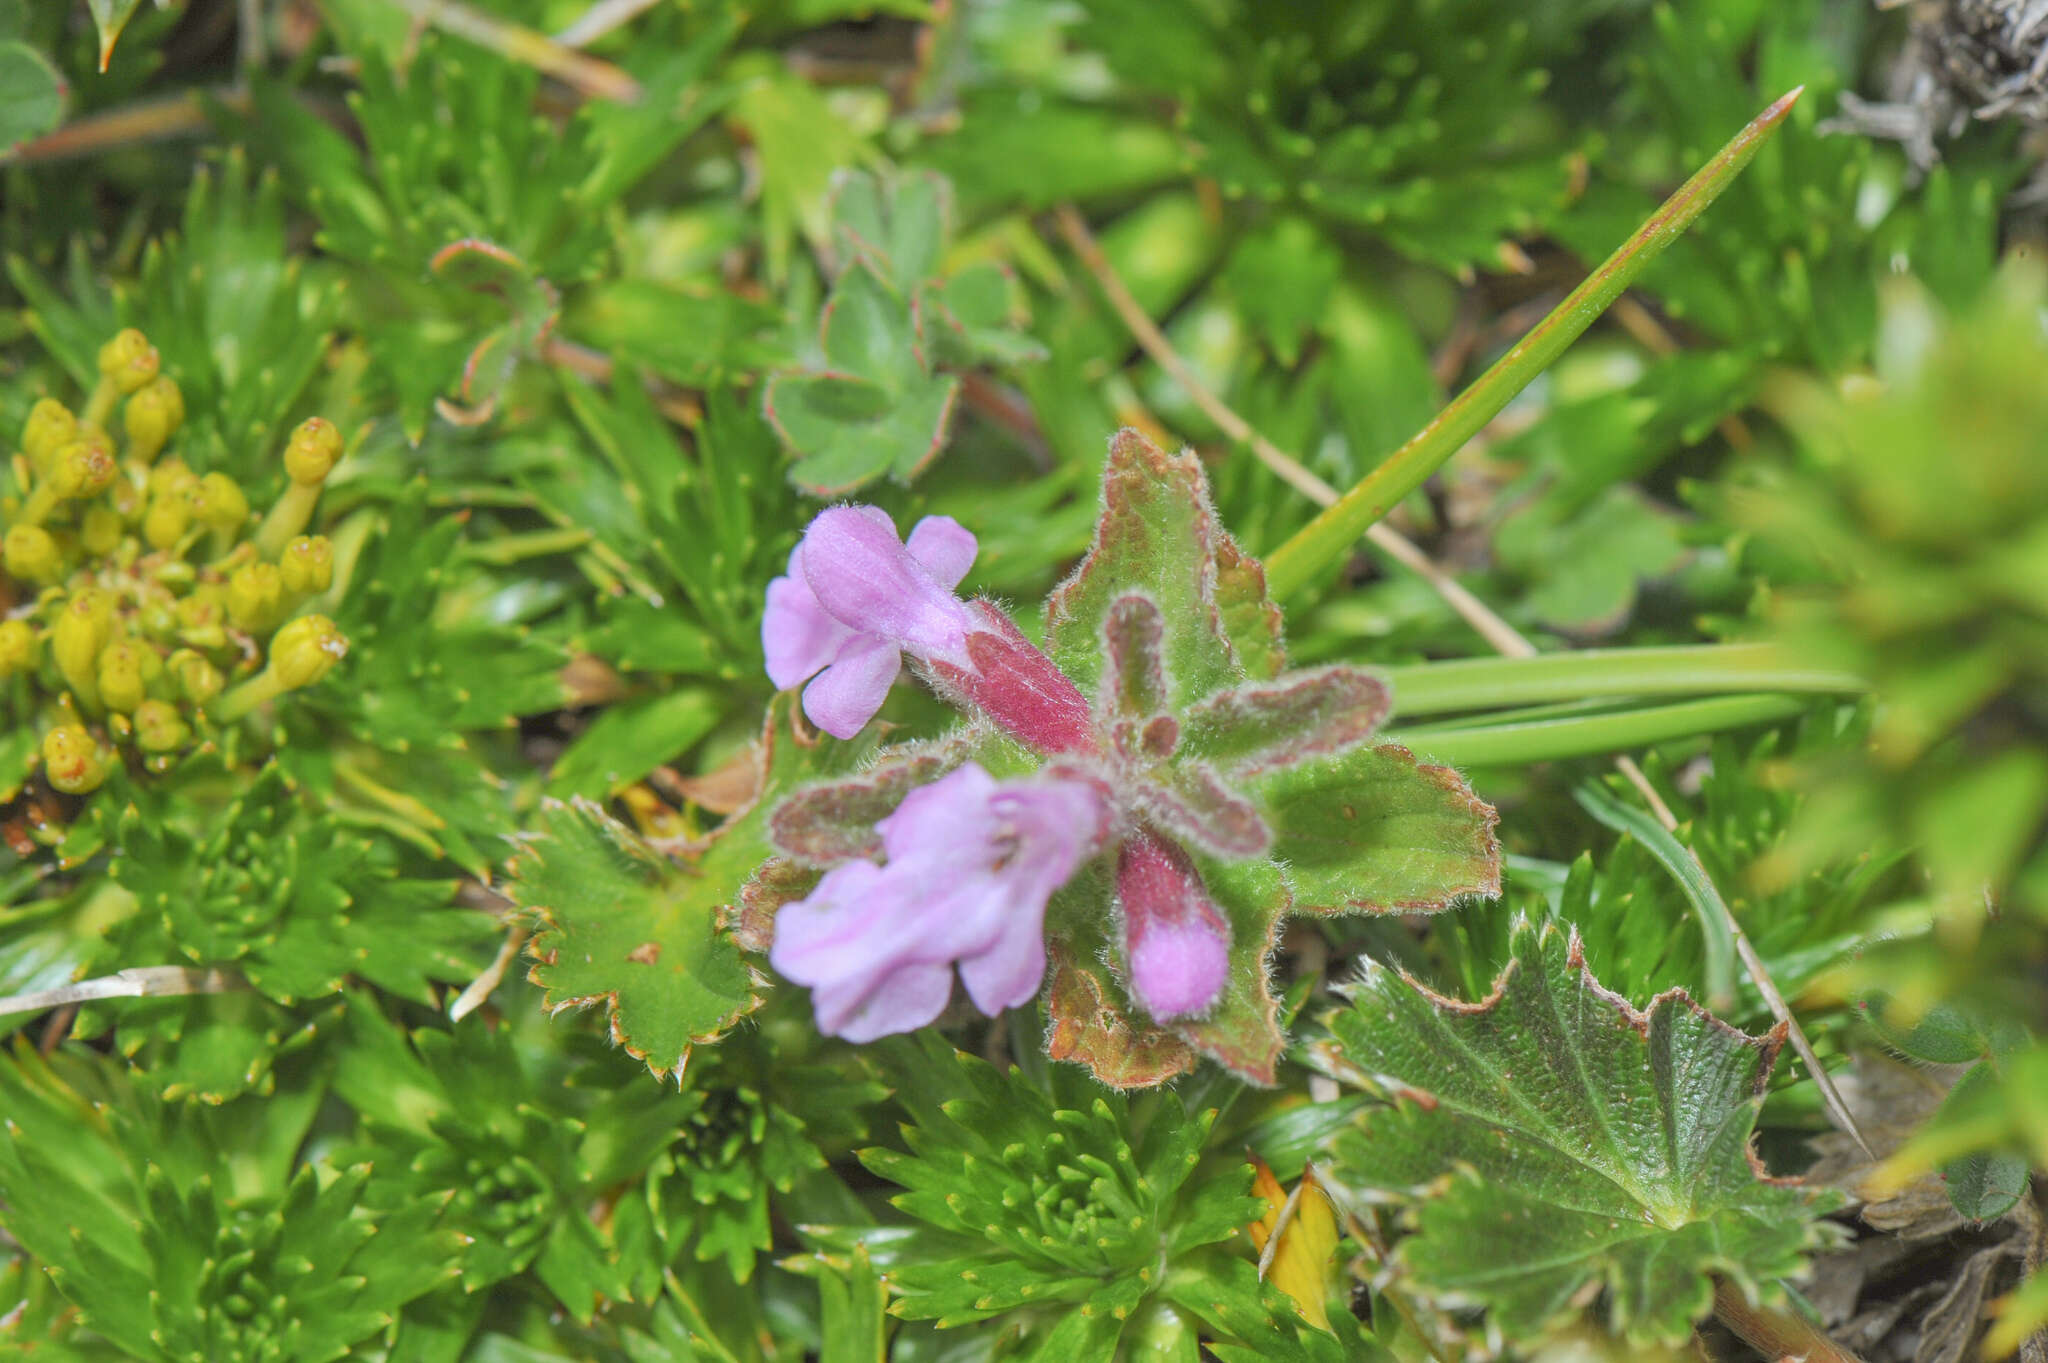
<point x="1257" y="727"/>
<point x="1157" y="534"/>
<point x="1557" y="1140"/>
<point x="1371" y="829"/>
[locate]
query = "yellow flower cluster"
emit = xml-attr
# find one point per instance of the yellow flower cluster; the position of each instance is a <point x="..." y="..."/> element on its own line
<point x="139" y="603"/>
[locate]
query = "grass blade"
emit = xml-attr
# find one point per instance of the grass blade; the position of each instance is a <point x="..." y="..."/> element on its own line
<point x="1332" y="533"/>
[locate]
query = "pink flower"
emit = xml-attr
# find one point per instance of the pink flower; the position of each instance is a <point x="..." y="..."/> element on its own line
<point x="971" y="864"/>
<point x="855" y="600"/>
<point x="1176" y="942"/>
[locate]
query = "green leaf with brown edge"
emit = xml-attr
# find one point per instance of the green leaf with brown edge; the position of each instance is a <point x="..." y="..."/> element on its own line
<point x="1157" y="534"/>
<point x="1280" y="723"/>
<point x="875" y="407"/>
<point x="1373" y="830"/>
<point x="625" y="927"/>
<point x="1559" y="1143"/>
<point x="649" y="938"/>
<point x="1089" y="1024"/>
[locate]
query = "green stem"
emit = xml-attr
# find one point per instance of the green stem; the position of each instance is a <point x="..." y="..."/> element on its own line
<point x="289" y="515"/>
<point x="100" y="405"/>
<point x="1708" y="669"/>
<point x="1545" y="740"/>
<point x="41" y="502"/>
<point x="243" y="699"/>
<point x="1332" y="533"/>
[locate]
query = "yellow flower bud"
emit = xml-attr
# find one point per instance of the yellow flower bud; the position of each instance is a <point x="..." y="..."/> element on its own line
<point x="255" y="596"/>
<point x="172" y="479"/>
<point x="305" y="650"/>
<point x="166" y="522"/>
<point x="82" y="630"/>
<point x="199" y="681"/>
<point x="153" y="414"/>
<point x="159" y="728"/>
<point x="72" y="760"/>
<point x="84" y="468"/>
<point x="202" y="617"/>
<point x="307" y="565"/>
<point x="129" y="360"/>
<point x="99" y="530"/>
<point x="311" y="453"/>
<point x="156" y="617"/>
<point x="17" y="647"/>
<point x="30" y="555"/>
<point x="218" y="502"/>
<point x="50" y="427"/>
<point x="121" y="680"/>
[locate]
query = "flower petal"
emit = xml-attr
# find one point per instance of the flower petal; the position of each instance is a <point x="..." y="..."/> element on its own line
<point x="1009" y="972"/>
<point x="1179" y="969"/>
<point x="944" y="548"/>
<point x="909" y="997"/>
<point x="867" y="580"/>
<point x="819" y="935"/>
<point x="797" y="636"/>
<point x="946" y="821"/>
<point x="1176" y="942"/>
<point x="972" y="864"/>
<point x="847" y="694"/>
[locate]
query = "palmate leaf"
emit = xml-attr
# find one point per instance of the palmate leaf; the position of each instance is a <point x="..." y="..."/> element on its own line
<point x="877" y="407"/>
<point x="1558" y="1140"/>
<point x="648" y="937"/>
<point x="624" y="926"/>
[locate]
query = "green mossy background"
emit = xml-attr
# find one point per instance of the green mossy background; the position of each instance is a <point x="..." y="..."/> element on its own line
<point x="603" y="333"/>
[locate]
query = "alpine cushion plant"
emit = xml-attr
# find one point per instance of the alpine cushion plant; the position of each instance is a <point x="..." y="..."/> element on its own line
<point x="1131" y="811"/>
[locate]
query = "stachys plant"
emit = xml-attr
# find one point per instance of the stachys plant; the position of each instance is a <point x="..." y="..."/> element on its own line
<point x="1126" y="816"/>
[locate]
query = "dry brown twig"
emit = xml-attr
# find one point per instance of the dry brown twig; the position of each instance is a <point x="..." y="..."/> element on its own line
<point x="591" y="76"/>
<point x="140" y="982"/>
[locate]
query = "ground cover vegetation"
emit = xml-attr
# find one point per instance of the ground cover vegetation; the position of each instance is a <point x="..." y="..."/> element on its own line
<point x="938" y="681"/>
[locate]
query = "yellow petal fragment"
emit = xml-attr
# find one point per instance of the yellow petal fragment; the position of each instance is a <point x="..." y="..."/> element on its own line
<point x="1300" y="1266"/>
